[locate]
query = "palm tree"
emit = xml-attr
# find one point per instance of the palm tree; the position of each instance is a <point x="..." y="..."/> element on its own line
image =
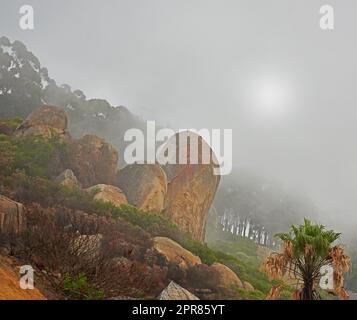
<point x="306" y="249"/>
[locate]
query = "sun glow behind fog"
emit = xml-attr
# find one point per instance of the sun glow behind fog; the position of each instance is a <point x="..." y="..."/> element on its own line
<point x="270" y="97"/>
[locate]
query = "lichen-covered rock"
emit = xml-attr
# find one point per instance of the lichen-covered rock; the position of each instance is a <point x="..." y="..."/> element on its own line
<point x="68" y="179"/>
<point x="108" y="193"/>
<point x="46" y="121"/>
<point x="93" y="161"/>
<point x="175" y="292"/>
<point x="145" y="186"/>
<point x="12" y="216"/>
<point x="227" y="278"/>
<point x="174" y="253"/>
<point x="191" y="187"/>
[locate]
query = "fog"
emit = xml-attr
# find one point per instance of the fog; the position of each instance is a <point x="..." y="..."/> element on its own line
<point x="262" y="68"/>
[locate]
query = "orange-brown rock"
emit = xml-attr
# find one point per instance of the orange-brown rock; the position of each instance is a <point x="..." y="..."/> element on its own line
<point x="247" y="286"/>
<point x="107" y="193"/>
<point x="145" y="186"/>
<point x="227" y="278"/>
<point x="191" y="186"/>
<point x="12" y="216"/>
<point x="46" y="121"/>
<point x="175" y="253"/>
<point x="93" y="161"/>
<point x="10" y="285"/>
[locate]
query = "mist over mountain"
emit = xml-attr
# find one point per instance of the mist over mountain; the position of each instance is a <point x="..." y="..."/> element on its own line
<point x="248" y="209"/>
<point x="243" y="198"/>
<point x="25" y="85"/>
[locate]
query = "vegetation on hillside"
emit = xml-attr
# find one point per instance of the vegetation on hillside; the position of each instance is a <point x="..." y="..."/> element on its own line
<point x="27" y="169"/>
<point x="26" y="172"/>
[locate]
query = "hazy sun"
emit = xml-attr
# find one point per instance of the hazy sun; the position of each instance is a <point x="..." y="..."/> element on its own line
<point x="270" y="96"/>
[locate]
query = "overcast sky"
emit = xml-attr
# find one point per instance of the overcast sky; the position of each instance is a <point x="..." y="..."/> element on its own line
<point x="263" y="68"/>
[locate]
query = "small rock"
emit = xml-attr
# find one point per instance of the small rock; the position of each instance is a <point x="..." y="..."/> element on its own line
<point x="175" y="292"/>
<point x="68" y="179"/>
<point x="175" y="253"/>
<point x="109" y="194"/>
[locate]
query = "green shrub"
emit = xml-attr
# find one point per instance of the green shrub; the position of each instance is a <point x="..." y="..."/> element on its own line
<point x="78" y="288"/>
<point x="34" y="155"/>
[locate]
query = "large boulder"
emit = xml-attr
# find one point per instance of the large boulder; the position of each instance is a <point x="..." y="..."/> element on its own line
<point x="46" y="121"/>
<point x="175" y="292"/>
<point x="191" y="186"/>
<point x="227" y="277"/>
<point x="145" y="186"/>
<point x="12" y="216"/>
<point x="174" y="253"/>
<point x="107" y="193"/>
<point x="93" y="161"/>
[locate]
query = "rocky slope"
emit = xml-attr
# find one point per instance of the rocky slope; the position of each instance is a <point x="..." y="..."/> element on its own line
<point x="71" y="167"/>
<point x="185" y="198"/>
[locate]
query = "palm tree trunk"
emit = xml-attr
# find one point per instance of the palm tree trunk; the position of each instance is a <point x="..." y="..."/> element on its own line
<point x="308" y="289"/>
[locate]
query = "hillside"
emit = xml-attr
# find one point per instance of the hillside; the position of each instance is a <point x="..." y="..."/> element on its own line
<point x="242" y="199"/>
<point x="101" y="231"/>
<point x="25" y="85"/>
<point x="88" y="233"/>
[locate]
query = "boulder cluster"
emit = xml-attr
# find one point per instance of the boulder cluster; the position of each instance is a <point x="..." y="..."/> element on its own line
<point x="182" y="192"/>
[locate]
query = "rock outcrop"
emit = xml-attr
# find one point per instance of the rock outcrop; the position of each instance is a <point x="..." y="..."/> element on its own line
<point x="46" y="121"/>
<point x="68" y="179"/>
<point x="191" y="187"/>
<point x="93" y="161"/>
<point x="174" y="253"/>
<point x="12" y="216"/>
<point x="227" y="277"/>
<point x="145" y="186"/>
<point x="108" y="193"/>
<point x="175" y="292"/>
